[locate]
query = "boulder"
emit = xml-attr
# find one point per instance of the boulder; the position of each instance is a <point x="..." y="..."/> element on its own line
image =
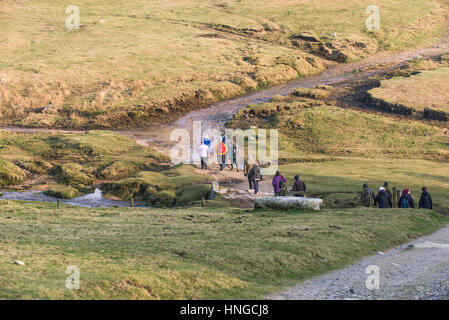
<point x="286" y="203"/>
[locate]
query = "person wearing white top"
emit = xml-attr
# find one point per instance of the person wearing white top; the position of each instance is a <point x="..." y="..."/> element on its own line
<point x="204" y="154"/>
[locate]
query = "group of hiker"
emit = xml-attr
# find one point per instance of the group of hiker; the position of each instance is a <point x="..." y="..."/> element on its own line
<point x="384" y="198"/>
<point x="279" y="182"/>
<point x="251" y="168"/>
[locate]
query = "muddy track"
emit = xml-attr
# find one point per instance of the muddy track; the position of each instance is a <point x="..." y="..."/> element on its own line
<point x="217" y="114"/>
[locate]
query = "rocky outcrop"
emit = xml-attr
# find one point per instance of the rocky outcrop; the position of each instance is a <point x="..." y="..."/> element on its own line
<point x="287" y="203"/>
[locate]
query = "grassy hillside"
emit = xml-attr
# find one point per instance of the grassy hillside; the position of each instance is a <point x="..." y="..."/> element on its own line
<point x="424" y="94"/>
<point x="202" y="253"/>
<point x="148" y="61"/>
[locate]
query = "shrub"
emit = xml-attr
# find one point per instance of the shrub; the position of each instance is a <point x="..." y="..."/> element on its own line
<point x="62" y="191"/>
<point x="10" y="174"/>
<point x="163" y="198"/>
<point x="189" y="194"/>
<point x="72" y="174"/>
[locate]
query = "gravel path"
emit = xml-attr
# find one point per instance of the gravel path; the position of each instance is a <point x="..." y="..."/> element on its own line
<point x="416" y="270"/>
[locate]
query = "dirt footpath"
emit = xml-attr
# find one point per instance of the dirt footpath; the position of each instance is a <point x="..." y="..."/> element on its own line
<point x="416" y="270"/>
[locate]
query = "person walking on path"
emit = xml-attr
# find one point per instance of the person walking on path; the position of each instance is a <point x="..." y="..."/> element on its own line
<point x="406" y="200"/>
<point x="278" y="183"/>
<point x="368" y="197"/>
<point x="204" y="154"/>
<point x="221" y="151"/>
<point x="383" y="199"/>
<point x="425" y="202"/>
<point x="254" y="176"/>
<point x="247" y="166"/>
<point x="299" y="187"/>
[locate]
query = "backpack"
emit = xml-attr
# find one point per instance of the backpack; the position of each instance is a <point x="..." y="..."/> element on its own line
<point x="404" y="202"/>
<point x="366" y="193"/>
<point x="282" y="183"/>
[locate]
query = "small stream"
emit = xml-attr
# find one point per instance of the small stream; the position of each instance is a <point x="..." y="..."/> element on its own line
<point x="91" y="200"/>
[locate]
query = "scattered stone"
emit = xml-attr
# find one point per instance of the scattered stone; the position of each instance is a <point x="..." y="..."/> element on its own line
<point x="215" y="187"/>
<point x="305" y="36"/>
<point x="18" y="262"/>
<point x="271" y="26"/>
<point x="410" y="246"/>
<point x="360" y="44"/>
<point x="351" y="291"/>
<point x="48" y="107"/>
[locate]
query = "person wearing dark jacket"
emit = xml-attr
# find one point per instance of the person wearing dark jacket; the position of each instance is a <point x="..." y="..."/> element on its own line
<point x="383" y="199"/>
<point x="299" y="187"/>
<point x="278" y="183"/>
<point x="425" y="202"/>
<point x="406" y="200"/>
<point x="368" y="197"/>
<point x="254" y="176"/>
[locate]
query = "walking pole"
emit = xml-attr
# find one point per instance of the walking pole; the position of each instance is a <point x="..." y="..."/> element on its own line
<point x="395" y="196"/>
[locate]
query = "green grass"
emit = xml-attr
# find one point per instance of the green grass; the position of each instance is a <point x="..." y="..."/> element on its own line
<point x="185" y="179"/>
<point x="198" y="253"/>
<point x="339" y="149"/>
<point x="311" y="128"/>
<point x="75" y="160"/>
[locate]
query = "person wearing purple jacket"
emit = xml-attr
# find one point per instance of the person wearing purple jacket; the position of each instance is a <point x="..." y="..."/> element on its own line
<point x="279" y="182"/>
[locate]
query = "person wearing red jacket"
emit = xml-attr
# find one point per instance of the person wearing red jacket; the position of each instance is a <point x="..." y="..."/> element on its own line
<point x="221" y="149"/>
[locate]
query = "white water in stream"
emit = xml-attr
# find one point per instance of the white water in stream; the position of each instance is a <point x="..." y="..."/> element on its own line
<point x="92" y="200"/>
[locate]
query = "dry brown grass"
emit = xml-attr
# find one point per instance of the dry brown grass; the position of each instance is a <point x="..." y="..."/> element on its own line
<point x="144" y="61"/>
<point x="428" y="89"/>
